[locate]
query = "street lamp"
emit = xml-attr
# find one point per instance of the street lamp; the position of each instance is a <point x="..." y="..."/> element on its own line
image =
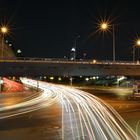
<point x="138" y="42"/>
<point x="105" y="26"/>
<point x="134" y="53"/>
<point x="4" y="31"/>
<point x="137" y="45"/>
<point x="75" y="46"/>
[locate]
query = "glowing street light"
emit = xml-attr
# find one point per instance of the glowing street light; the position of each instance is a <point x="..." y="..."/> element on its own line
<point x="4" y="29"/>
<point x="138" y="42"/>
<point x="51" y="78"/>
<point x="94" y="61"/>
<point x="106" y="26"/>
<point x="136" y="45"/>
<point x="19" y="51"/>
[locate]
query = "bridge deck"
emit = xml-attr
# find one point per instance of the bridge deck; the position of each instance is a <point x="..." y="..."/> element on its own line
<point x="63" y="67"/>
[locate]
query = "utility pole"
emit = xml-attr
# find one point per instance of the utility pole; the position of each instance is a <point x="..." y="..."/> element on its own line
<point x="75" y="46"/>
<point x="114" y="51"/>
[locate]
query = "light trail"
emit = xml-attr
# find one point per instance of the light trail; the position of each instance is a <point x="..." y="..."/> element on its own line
<point x="84" y="116"/>
<point x="45" y="99"/>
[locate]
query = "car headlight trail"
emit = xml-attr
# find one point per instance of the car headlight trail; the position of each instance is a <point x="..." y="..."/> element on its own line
<point x="84" y="116"/>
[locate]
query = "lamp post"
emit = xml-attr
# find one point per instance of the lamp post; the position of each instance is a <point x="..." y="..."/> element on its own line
<point x="134" y="53"/>
<point x="75" y="46"/>
<point x="4" y="30"/>
<point x="137" y="45"/>
<point x="114" y="48"/>
<point x="105" y="26"/>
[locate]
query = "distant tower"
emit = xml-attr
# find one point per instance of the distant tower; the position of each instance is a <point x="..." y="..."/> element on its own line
<point x="74" y="49"/>
<point x="73" y="53"/>
<point x="19" y="53"/>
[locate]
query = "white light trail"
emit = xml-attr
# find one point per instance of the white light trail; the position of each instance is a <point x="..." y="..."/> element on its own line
<point x="84" y="116"/>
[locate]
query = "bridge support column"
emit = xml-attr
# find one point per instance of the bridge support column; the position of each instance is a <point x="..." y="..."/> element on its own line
<point x="71" y="80"/>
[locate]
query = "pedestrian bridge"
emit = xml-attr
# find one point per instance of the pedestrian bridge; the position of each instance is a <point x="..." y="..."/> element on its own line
<point x="63" y="67"/>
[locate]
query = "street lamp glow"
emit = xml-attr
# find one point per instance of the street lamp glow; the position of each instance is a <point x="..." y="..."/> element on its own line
<point x="94" y="61"/>
<point x="18" y="51"/>
<point x="136" y="46"/>
<point x="87" y="79"/>
<point x="104" y="26"/>
<point x="4" y="30"/>
<point x="138" y="42"/>
<point x="51" y="78"/>
<point x="73" y="49"/>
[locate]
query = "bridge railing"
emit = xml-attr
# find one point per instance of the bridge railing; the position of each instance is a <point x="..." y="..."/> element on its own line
<point x="62" y="60"/>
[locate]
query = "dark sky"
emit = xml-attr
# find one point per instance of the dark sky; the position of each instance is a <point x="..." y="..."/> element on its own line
<point x="48" y="28"/>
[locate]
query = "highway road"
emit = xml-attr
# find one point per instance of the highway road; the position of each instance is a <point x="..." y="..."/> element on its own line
<point x="61" y="112"/>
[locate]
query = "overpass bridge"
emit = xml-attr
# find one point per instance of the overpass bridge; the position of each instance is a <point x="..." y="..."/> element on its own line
<point x="63" y="67"/>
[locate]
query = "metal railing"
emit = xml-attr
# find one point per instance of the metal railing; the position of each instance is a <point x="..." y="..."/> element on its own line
<point x="62" y="60"/>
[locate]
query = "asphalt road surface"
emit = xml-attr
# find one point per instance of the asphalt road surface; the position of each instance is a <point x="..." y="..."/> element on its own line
<point x="45" y="122"/>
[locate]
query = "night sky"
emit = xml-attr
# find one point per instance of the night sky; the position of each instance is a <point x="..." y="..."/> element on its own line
<point x="48" y="28"/>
